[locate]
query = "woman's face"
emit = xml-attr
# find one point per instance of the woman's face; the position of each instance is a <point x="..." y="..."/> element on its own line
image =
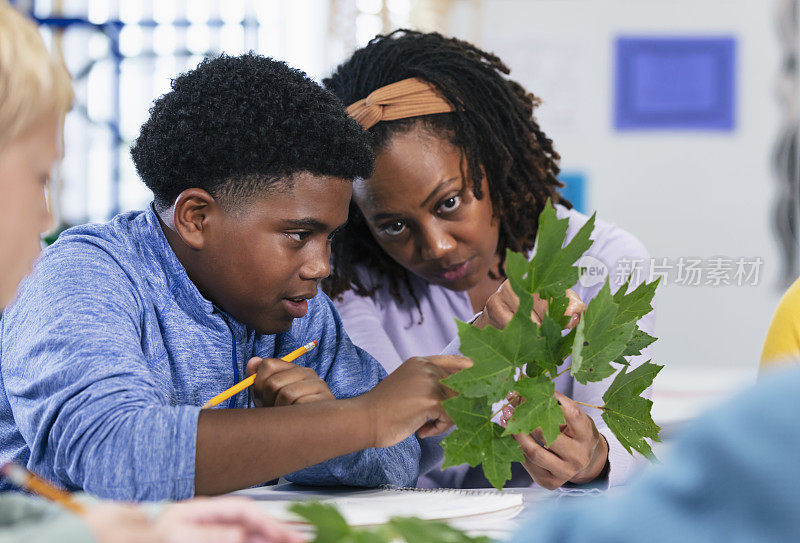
<point x="421" y="210"/>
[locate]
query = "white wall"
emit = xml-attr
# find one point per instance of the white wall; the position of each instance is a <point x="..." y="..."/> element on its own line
<point x="682" y="193"/>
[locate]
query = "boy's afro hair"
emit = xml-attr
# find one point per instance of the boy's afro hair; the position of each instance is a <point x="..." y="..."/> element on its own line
<point x="235" y="125"/>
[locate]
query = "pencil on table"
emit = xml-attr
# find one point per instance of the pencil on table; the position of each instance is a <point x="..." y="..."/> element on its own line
<point x="241" y="385"/>
<point x="23" y="478"/>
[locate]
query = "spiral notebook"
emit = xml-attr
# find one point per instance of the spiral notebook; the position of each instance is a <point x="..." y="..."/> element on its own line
<point x="377" y="506"/>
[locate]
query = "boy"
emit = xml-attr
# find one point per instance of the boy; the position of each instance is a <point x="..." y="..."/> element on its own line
<point x="126" y="328"/>
<point x="35" y="93"/>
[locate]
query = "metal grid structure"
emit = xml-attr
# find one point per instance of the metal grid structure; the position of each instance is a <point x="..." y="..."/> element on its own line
<point x="123" y="54"/>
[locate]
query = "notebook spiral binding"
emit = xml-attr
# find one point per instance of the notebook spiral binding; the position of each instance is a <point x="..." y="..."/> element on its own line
<point x="459" y="491"/>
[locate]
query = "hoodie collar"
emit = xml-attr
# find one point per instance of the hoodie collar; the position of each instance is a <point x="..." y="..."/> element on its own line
<point x="177" y="280"/>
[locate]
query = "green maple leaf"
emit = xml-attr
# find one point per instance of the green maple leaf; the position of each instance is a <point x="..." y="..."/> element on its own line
<point x="468" y="413"/>
<point x="635" y="304"/>
<point x="567" y="343"/>
<point x="602" y="339"/>
<point x="556" y="309"/>
<point x="632" y="306"/>
<point x="539" y="410"/>
<point x="578" y="343"/>
<point x="627" y="413"/>
<point x="552" y="270"/>
<point x="496" y="355"/>
<point x="545" y="348"/>
<point x="478" y="440"/>
<point x="607" y="333"/>
<point x="331" y="527"/>
<point x="639" y="340"/>
<point x="414" y="530"/>
<point x="552" y="349"/>
<point x="517" y="270"/>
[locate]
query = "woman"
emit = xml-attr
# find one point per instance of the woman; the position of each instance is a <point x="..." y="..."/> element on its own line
<point x="462" y="173"/>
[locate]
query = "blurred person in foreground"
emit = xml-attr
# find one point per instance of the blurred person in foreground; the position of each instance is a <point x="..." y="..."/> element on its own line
<point x="732" y="476"/>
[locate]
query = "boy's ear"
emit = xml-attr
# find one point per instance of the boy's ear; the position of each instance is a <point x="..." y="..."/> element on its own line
<point x="192" y="215"/>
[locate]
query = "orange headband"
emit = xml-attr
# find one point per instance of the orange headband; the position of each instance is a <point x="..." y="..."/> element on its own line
<point x="407" y="98"/>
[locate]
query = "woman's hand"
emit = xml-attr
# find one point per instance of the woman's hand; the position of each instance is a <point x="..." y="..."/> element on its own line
<point x="502" y="305"/>
<point x="579" y="455"/>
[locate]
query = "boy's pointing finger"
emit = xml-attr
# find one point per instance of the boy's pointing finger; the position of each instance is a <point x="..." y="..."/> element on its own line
<point x="451" y="363"/>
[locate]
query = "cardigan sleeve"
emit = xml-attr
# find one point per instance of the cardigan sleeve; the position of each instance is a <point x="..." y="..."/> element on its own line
<point x="363" y="323"/>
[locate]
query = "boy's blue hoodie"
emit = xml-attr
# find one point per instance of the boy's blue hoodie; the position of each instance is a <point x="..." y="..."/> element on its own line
<point x="110" y="349"/>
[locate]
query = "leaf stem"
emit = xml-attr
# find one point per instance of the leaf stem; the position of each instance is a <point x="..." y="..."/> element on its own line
<point x="590" y="405"/>
<point x="562" y="372"/>
<point x="498" y="411"/>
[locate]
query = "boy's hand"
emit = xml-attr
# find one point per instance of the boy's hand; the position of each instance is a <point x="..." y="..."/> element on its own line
<point x="502" y="305"/>
<point x="409" y="399"/>
<point x="282" y="383"/>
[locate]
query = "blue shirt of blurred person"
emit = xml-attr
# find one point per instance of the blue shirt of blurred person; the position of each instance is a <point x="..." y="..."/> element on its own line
<point x="734" y="475"/>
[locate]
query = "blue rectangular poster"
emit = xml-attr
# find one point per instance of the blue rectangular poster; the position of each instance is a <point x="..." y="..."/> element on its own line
<point x="675" y="83"/>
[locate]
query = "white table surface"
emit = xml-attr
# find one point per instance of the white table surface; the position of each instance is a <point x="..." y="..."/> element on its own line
<point x="496" y="525"/>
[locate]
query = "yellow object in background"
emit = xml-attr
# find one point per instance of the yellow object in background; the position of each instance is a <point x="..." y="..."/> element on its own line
<point x="783" y="337"/>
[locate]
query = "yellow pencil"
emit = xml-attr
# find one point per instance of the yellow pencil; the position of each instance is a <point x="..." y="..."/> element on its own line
<point x="27" y="480"/>
<point x="241" y="385"/>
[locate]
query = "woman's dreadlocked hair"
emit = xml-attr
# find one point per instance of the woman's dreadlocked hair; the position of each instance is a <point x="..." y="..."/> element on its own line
<point x="492" y="124"/>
